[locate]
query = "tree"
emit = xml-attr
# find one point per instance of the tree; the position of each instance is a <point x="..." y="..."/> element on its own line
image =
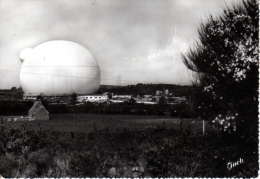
<point x="39" y="97"/>
<point x="162" y="101"/>
<point x="13" y="91"/>
<point x="19" y="93"/>
<point x="225" y="65"/>
<point x="131" y="101"/>
<point x="73" y="101"/>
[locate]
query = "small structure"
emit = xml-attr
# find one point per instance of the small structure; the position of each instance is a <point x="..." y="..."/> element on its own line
<point x="38" y="111"/>
<point x="92" y="98"/>
<point x="158" y="93"/>
<point x="122" y="96"/>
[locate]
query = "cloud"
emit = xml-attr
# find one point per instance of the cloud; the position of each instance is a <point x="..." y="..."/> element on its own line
<point x="170" y="55"/>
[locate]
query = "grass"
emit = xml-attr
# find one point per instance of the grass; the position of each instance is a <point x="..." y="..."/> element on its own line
<point x="85" y="122"/>
<point x="150" y="152"/>
<point x="121" y="146"/>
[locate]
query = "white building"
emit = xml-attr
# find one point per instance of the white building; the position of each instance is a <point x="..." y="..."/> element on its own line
<point x="122" y="96"/>
<point x="92" y="98"/>
<point x="158" y="93"/>
<point x="116" y="100"/>
<point x="28" y="97"/>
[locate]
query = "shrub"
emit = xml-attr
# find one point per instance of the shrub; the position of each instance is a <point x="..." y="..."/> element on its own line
<point x="82" y="164"/>
<point x="42" y="160"/>
<point x="8" y="165"/>
<point x="225" y="63"/>
<point x="164" y="152"/>
<point x="13" y="139"/>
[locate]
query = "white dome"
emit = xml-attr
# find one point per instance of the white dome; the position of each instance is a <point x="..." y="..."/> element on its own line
<point x="59" y="68"/>
<point x="25" y="53"/>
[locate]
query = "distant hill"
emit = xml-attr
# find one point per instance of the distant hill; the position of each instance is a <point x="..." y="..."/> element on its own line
<point x="146" y="89"/>
<point x="107" y="86"/>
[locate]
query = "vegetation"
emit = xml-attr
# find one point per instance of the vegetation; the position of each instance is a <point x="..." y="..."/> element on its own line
<point x="127" y="108"/>
<point x="13" y="93"/>
<point x="146" y="89"/>
<point x="225" y="62"/>
<point x="85" y="122"/>
<point x="73" y="101"/>
<point x="31" y="151"/>
<point x="15" y="108"/>
<point x="225" y="65"/>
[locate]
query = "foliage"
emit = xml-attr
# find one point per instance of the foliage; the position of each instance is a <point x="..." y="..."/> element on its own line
<point x="145" y="89"/>
<point x="21" y="140"/>
<point x="149" y="152"/>
<point x="182" y="110"/>
<point x="225" y="62"/>
<point x="83" y="164"/>
<point x="15" y="108"/>
<point x="73" y="99"/>
<point x="131" y="101"/>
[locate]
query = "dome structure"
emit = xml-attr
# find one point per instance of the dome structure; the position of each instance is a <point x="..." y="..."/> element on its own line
<point x="58" y="68"/>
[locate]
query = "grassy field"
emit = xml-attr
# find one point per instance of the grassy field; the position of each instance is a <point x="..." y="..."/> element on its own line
<point x="85" y="122"/>
<point x="122" y="146"/>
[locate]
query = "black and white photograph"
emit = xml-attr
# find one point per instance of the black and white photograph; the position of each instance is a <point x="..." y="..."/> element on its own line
<point x="129" y="88"/>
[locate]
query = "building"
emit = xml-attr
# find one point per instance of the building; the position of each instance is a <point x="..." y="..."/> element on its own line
<point x="38" y="112"/>
<point x="146" y="99"/>
<point x="92" y="98"/>
<point x="177" y="99"/>
<point x="116" y="101"/>
<point x="158" y="93"/>
<point x="28" y="97"/>
<point x="148" y="96"/>
<point x="122" y="96"/>
<point x="166" y="92"/>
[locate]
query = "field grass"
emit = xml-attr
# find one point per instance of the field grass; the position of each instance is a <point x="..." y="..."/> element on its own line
<point x="86" y="122"/>
<point x="121" y="146"/>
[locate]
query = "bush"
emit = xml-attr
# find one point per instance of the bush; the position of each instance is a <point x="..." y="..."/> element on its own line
<point x="42" y="160"/>
<point x="82" y="164"/>
<point x="14" y="139"/>
<point x="156" y="151"/>
<point x="15" y="107"/>
<point x="8" y="165"/>
<point x="181" y="110"/>
<point x="225" y="63"/>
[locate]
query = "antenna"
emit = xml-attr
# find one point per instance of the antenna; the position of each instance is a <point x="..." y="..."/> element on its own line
<point x="101" y="46"/>
<point x="119" y="81"/>
<point x="174" y="45"/>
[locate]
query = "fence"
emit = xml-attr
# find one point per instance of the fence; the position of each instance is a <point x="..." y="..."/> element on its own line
<point x="17" y="118"/>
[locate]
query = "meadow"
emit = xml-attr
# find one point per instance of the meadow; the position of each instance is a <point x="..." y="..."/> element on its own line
<point x="92" y="145"/>
<point x="86" y="122"/>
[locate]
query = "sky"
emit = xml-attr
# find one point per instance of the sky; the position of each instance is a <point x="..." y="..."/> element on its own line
<point x="133" y="41"/>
